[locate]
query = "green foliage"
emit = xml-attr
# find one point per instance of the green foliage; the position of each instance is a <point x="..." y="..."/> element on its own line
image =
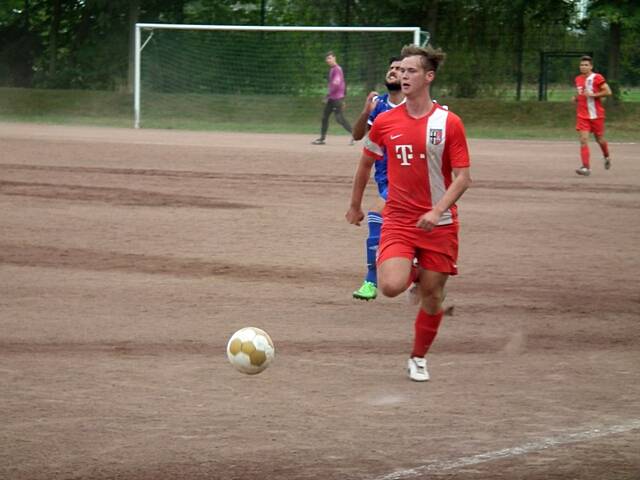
<point x="625" y="16"/>
<point x="616" y="91"/>
<point x="86" y="44"/>
<point x="616" y="11"/>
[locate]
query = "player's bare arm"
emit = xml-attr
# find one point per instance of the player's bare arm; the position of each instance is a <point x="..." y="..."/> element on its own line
<point x="461" y="182"/>
<point x="360" y="127"/>
<point x="355" y="214"/>
<point x="604" y="91"/>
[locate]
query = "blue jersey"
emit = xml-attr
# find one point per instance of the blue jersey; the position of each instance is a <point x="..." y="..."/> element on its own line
<point x="380" y="174"/>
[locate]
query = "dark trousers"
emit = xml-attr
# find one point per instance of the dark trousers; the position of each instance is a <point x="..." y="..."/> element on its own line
<point x="333" y="106"/>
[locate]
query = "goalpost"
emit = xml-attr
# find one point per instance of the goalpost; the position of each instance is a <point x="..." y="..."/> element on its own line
<point x="544" y="74"/>
<point x="199" y="76"/>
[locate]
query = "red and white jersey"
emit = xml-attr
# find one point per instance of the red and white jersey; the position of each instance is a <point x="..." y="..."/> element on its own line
<point x="589" y="107"/>
<point x="421" y="154"/>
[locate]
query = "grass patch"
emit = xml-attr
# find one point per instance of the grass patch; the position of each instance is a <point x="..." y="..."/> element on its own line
<point x="483" y="118"/>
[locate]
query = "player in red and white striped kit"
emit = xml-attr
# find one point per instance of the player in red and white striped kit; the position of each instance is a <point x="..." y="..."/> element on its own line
<point x="428" y="170"/>
<point x="591" y="87"/>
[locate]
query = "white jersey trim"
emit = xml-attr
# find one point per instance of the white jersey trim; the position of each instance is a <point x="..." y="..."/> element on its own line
<point x="436" y="139"/>
<point x="591" y="102"/>
<point x="372" y="146"/>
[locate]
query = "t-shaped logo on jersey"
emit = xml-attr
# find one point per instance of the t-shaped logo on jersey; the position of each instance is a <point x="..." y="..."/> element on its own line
<point x="404" y="153"/>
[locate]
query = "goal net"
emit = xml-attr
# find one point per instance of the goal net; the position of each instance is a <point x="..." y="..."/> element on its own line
<point x="269" y="79"/>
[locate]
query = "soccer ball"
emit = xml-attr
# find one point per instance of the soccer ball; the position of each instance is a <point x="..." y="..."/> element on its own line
<point x="250" y="350"/>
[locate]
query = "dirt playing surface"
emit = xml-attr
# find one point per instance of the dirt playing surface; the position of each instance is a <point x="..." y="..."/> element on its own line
<point x="127" y="259"/>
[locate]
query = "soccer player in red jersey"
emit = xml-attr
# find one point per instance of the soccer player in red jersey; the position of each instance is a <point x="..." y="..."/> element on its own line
<point x="428" y="170"/>
<point x="591" y="88"/>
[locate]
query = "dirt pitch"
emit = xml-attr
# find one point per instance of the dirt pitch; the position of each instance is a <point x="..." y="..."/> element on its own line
<point x="127" y="258"/>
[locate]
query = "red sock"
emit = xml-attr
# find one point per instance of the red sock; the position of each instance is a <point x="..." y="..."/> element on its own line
<point x="584" y="155"/>
<point x="604" y="146"/>
<point x="426" y="329"/>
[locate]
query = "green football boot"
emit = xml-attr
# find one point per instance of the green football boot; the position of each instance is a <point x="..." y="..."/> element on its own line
<point x="368" y="291"/>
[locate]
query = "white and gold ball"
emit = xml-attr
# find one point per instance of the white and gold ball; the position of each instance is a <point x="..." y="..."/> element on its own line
<point x="250" y="350"/>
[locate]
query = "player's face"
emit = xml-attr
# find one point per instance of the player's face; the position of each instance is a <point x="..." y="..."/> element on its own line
<point x="393" y="74"/>
<point x="585" y="67"/>
<point x="414" y="78"/>
<point x="331" y="60"/>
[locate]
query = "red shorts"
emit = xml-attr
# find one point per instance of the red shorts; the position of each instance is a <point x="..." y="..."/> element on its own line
<point x="587" y="125"/>
<point x="436" y="250"/>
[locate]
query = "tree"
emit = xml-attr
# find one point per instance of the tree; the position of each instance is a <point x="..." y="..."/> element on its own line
<point x="89" y="43"/>
<point x="21" y="46"/>
<point x="622" y="17"/>
<point x="53" y="36"/>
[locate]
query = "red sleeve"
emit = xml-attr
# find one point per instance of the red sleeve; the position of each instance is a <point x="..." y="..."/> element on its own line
<point x="373" y="146"/>
<point x="598" y="82"/>
<point x="457" y="142"/>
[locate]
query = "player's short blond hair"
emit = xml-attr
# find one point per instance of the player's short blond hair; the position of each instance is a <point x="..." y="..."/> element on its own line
<point x="430" y="58"/>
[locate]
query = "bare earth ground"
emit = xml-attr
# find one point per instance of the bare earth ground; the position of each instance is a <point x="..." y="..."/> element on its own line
<point x="127" y="258"/>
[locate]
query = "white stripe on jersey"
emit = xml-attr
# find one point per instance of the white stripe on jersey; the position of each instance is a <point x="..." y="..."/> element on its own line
<point x="437" y="121"/>
<point x="591" y="102"/>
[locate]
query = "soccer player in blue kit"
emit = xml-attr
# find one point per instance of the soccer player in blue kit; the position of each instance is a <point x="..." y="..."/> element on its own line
<point x="375" y="105"/>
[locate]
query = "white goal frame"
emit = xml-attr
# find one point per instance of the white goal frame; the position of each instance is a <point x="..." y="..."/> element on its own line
<point x="139" y="46"/>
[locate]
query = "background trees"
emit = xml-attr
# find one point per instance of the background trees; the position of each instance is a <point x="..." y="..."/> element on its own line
<point x="495" y="44"/>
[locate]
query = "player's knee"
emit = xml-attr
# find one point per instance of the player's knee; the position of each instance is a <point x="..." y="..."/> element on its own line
<point x="391" y="288"/>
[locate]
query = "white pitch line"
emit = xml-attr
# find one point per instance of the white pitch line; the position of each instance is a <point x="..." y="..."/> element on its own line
<point x="548" y="442"/>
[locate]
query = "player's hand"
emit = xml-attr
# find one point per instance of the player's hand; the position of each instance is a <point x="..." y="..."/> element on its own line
<point x="428" y="221"/>
<point x="370" y="102"/>
<point x="354" y="215"/>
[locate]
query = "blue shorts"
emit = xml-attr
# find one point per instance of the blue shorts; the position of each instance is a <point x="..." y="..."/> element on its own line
<point x="383" y="189"/>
